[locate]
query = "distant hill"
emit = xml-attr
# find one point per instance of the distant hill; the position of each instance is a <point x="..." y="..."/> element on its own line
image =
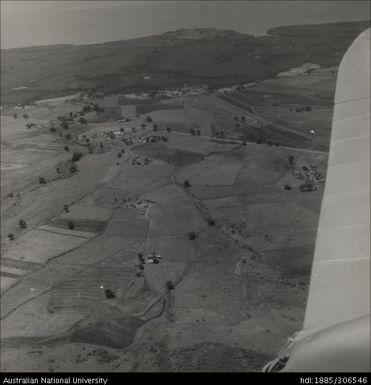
<point x="212" y="56"/>
<point x="204" y="34"/>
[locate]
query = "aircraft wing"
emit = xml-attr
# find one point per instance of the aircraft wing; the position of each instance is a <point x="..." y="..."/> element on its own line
<point x="340" y="281"/>
<point x="336" y="334"/>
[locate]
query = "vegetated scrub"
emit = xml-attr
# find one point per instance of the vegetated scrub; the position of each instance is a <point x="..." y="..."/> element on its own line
<point x="176" y="157"/>
<point x="147" y="108"/>
<point x="123" y="100"/>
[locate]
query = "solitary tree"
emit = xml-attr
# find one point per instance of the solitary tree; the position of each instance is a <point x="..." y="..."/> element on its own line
<point x="170" y="285"/>
<point x="186" y="184"/>
<point x="70" y="225"/>
<point x="22" y="224"/>
<point x="192" y="235"/>
<point x="42" y="180"/>
<point x="73" y="168"/>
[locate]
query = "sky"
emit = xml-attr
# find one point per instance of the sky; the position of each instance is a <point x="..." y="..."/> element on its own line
<point x="31" y="22"/>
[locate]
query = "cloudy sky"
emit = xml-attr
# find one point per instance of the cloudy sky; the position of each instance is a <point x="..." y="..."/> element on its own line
<point x="26" y="23"/>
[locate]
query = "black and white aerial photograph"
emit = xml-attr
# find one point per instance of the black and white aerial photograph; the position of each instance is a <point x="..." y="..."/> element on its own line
<point x="185" y="187"/>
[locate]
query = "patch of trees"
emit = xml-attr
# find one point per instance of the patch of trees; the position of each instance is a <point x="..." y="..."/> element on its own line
<point x="156" y="138"/>
<point x="291" y="160"/>
<point x="65" y="125"/>
<point x="86" y="108"/>
<point x="140" y="265"/>
<point x="76" y="156"/>
<point x="98" y="109"/>
<point x="220" y="134"/>
<point x="73" y="168"/>
<point x="109" y="294"/>
<point x="306" y="187"/>
<point x="30" y="125"/>
<point x="42" y="180"/>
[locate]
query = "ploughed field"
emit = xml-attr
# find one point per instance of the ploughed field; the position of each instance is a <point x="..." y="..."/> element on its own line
<point x="164" y="244"/>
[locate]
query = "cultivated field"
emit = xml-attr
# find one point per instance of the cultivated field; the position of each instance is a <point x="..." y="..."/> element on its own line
<point x="160" y="236"/>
